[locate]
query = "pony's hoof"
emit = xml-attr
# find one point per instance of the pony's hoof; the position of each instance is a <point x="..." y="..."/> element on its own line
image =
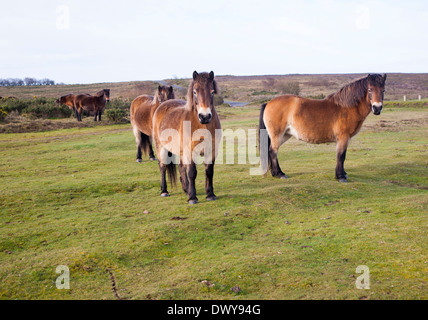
<point x="193" y="201"/>
<point x="139" y="160"/>
<point x="283" y="177"/>
<point x="152" y="158"/>
<point x="165" y="194"/>
<point x="342" y="180"/>
<point x="211" y="198"/>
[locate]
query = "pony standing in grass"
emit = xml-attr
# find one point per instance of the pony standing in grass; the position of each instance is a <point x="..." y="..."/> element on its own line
<point x="142" y="109"/>
<point x="90" y="103"/>
<point x="192" y="125"/>
<point x="336" y="118"/>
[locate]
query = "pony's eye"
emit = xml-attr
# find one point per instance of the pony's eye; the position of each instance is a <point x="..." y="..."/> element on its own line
<point x="212" y="92"/>
<point x="194" y="92"/>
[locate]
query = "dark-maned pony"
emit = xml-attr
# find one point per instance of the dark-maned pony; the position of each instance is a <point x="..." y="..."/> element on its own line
<point x="95" y="104"/>
<point x="336" y="118"/>
<point x="182" y="119"/>
<point x="142" y="109"/>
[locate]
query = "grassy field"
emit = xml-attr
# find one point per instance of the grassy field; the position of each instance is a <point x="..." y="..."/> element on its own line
<point x="76" y="197"/>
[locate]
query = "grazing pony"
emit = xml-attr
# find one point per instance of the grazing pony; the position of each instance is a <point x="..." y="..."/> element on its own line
<point x="336" y="118"/>
<point x="67" y="100"/>
<point x="90" y="103"/>
<point x="182" y="119"/>
<point x="142" y="109"/>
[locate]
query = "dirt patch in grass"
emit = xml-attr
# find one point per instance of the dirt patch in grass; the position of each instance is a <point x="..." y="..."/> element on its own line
<point x="395" y="125"/>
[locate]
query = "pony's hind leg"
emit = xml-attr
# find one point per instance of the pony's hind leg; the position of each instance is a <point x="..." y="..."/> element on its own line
<point x="209" y="174"/>
<point x="151" y="153"/>
<point x="164" y="190"/>
<point x="183" y="177"/>
<point x="137" y="135"/>
<point x="273" y="157"/>
<point x="341" y="147"/>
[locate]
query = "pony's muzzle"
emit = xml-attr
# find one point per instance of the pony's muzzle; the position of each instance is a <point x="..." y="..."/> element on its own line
<point x="377" y="108"/>
<point x="205" y="118"/>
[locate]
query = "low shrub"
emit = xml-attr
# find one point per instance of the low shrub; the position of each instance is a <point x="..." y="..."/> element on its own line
<point x="116" y="114"/>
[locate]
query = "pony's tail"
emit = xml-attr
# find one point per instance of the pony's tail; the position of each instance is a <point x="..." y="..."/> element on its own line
<point x="265" y="157"/>
<point x="171" y="170"/>
<point x="144" y="143"/>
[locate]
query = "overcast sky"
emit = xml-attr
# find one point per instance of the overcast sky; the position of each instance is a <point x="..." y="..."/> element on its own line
<point x="107" y="41"/>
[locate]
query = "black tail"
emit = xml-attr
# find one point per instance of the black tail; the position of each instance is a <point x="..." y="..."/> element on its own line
<point x="144" y="143"/>
<point x="262" y="126"/>
<point x="171" y="169"/>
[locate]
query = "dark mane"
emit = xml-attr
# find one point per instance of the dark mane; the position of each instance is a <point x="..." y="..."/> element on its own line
<point x="352" y="94"/>
<point x="203" y="78"/>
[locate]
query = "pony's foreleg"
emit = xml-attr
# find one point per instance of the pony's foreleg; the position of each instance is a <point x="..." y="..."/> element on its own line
<point x="96" y="114"/>
<point x="209" y="174"/>
<point x="341" y="147"/>
<point x="77" y="114"/>
<point x="192" y="173"/>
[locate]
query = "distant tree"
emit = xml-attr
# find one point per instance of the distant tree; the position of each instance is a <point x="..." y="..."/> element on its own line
<point x="30" y="81"/>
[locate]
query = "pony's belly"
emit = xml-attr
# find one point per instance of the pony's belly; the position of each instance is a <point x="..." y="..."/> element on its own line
<point x="309" y="136"/>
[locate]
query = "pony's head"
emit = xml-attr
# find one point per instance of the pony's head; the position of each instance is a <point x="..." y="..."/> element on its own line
<point x="105" y="93"/>
<point x="62" y="99"/>
<point x="164" y="93"/>
<point x="375" y="92"/>
<point x="201" y="95"/>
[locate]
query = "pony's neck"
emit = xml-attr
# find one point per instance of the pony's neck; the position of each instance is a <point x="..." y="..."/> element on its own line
<point x="364" y="108"/>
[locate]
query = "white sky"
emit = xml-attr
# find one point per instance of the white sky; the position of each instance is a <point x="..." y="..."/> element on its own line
<point x="109" y="41"/>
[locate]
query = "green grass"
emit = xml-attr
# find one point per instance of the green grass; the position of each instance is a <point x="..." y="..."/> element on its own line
<point x="76" y="197"/>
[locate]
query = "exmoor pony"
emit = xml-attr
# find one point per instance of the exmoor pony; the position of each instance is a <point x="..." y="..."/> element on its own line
<point x="142" y="109"/>
<point x="336" y="118"/>
<point x="192" y="125"/>
<point x="90" y="103"/>
<point x="67" y="100"/>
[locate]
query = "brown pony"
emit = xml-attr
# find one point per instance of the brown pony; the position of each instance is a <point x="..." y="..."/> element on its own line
<point x="90" y="103"/>
<point x="336" y="118"/>
<point x="184" y="119"/>
<point x="142" y="109"/>
<point x="67" y="100"/>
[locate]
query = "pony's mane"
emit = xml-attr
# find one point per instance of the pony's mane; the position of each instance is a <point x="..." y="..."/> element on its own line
<point x="350" y="95"/>
<point x="203" y="78"/>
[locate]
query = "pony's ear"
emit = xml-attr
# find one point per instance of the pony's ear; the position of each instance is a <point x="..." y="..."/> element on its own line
<point x="215" y="87"/>
<point x="159" y="88"/>
<point x="384" y="77"/>
<point x="195" y="75"/>
<point x="211" y="75"/>
<point x="171" y="89"/>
